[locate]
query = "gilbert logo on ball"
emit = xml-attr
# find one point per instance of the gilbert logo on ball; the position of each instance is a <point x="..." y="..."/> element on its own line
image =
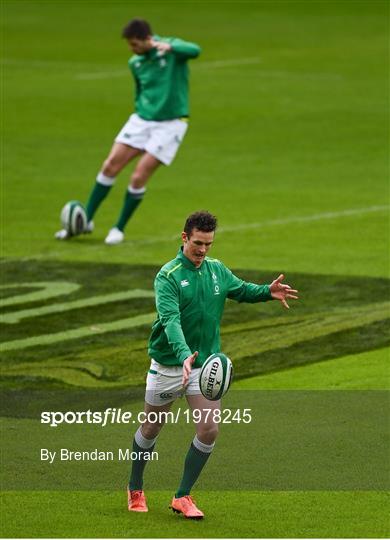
<point x="215" y="376"/>
<point x="74" y="218"/>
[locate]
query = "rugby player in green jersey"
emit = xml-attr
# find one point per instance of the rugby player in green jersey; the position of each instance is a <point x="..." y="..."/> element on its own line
<point x="190" y="296"/>
<point x="155" y="130"/>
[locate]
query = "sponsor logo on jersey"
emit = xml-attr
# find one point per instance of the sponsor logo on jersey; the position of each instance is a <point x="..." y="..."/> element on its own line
<point x="184" y="283"/>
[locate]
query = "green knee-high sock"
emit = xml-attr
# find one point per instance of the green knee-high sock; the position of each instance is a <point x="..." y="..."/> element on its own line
<point x="99" y="192"/>
<point x="193" y="465"/>
<point x="138" y="466"/>
<point x="133" y="198"/>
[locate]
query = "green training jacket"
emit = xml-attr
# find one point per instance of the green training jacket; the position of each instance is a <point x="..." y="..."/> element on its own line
<point x="161" y="80"/>
<point x="190" y="303"/>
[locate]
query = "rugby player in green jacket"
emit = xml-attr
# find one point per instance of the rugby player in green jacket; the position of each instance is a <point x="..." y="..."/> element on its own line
<point x="155" y="130"/>
<point x="190" y="296"/>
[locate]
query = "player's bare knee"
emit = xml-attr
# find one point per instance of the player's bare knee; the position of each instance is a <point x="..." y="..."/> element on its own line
<point x="150" y="430"/>
<point x="111" y="167"/>
<point x="208" y="433"/>
<point x="138" y="179"/>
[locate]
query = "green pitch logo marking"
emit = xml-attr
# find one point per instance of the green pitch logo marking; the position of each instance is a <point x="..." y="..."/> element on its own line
<point x="17" y="316"/>
<point x="47" y="289"/>
<point x="50" y="290"/>
<point x="84" y="331"/>
<point x="92" y="331"/>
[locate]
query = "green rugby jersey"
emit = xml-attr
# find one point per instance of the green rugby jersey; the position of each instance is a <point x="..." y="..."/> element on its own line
<point x="190" y="303"/>
<point x="162" y="80"/>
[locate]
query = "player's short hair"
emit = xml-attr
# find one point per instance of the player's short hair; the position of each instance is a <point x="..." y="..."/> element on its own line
<point x="201" y="220"/>
<point x="137" y="28"/>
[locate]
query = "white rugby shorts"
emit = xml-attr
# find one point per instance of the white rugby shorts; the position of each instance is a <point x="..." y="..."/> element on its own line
<point x="164" y="383"/>
<point x="161" y="139"/>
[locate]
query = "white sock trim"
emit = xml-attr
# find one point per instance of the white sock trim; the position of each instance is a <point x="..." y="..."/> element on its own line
<point x="205" y="448"/>
<point x="141" y="441"/>
<point x="105" y="180"/>
<point x="136" y="191"/>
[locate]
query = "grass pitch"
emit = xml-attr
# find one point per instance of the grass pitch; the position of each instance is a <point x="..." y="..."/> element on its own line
<point x="287" y="146"/>
<point x="279" y="513"/>
<point x="237" y="514"/>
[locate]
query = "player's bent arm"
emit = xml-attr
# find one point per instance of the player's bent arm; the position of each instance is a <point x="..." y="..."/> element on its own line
<point x="167" y="304"/>
<point x="243" y="291"/>
<point x="185" y="49"/>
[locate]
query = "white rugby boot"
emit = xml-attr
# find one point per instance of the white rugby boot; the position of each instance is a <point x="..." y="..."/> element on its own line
<point x="115" y="236"/>
<point x="63" y="234"/>
<point x="89" y="228"/>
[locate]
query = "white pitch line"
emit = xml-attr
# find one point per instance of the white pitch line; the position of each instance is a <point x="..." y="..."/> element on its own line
<point x="304" y="219"/>
<point x="102" y="75"/>
<point x="210" y="64"/>
<point x="227" y="229"/>
<point x="107" y="73"/>
<point x="54" y="64"/>
<point x="215" y="64"/>
<point x="274" y="222"/>
<point x="228" y="63"/>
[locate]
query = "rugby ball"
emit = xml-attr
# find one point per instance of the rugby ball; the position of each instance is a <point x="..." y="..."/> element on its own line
<point x="215" y="376"/>
<point x="74" y="218"/>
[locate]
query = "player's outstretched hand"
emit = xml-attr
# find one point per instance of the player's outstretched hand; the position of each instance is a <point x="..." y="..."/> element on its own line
<point x="187" y="367"/>
<point x="281" y="291"/>
<point x="161" y="46"/>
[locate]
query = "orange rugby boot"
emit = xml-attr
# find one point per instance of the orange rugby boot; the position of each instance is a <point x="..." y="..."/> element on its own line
<point x="186" y="506"/>
<point x="136" y="501"/>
